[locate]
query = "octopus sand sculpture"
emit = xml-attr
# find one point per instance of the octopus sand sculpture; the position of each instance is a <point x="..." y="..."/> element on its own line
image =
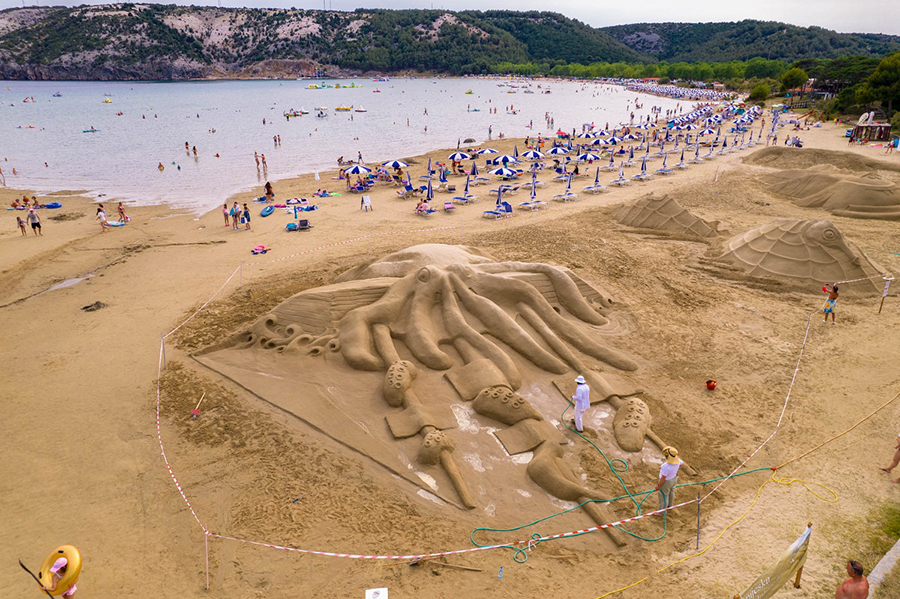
<point x="839" y="192"/>
<point x="435" y="338"/>
<point x="651" y="212"/>
<point x="807" y="252"/>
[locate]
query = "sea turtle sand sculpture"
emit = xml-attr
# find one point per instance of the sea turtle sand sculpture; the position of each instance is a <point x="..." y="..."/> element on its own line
<point x="839" y="192"/>
<point x="425" y="339"/>
<point x="652" y="212"/>
<point x="806" y="252"/>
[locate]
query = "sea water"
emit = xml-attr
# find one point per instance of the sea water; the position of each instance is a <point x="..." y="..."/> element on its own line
<point x="121" y="159"/>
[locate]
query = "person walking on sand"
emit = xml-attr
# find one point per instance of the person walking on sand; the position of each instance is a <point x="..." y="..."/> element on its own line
<point x="101" y="216"/>
<point x="122" y="216"/>
<point x="246" y="218"/>
<point x="225" y="213"/>
<point x="896" y="459"/>
<point x="668" y="477"/>
<point x="21" y="224"/>
<point x="830" y="302"/>
<point x="35" y="221"/>
<point x="57" y="571"/>
<point x="582" y="400"/>
<point x="855" y="587"/>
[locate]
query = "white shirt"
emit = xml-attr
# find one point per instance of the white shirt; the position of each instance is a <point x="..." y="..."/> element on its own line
<point x="669" y="471"/>
<point x="582" y="397"/>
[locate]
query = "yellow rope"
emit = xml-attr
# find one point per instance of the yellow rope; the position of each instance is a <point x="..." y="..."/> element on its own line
<point x="819" y="446"/>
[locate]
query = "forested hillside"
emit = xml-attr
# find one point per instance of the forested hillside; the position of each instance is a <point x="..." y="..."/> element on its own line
<point x="721" y="42"/>
<point x="140" y="41"/>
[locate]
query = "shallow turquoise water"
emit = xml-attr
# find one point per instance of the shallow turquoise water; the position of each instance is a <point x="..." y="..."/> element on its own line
<point x="121" y="159"/>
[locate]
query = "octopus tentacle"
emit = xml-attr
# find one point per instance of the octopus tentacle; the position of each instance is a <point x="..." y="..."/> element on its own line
<point x="502" y="326"/>
<point x="470" y="343"/>
<point x="421" y="334"/>
<point x="496" y="286"/>
<point x="384" y="344"/>
<point x="550" y="337"/>
<point x="566" y="290"/>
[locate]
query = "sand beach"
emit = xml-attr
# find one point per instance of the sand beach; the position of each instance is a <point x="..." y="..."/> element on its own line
<point x="83" y="462"/>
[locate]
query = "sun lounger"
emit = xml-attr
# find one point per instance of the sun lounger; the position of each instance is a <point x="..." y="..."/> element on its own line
<point x="643" y="176"/>
<point x="449" y="207"/>
<point x="447" y="188"/>
<point x="428" y="212"/>
<point x="595" y="189"/>
<point x="301" y="225"/>
<point x="621" y="182"/>
<point x="565" y="197"/>
<point x="468" y="199"/>
<point x="537" y="184"/>
<point x="665" y="171"/>
<point x="407" y="192"/>
<point x="495" y="214"/>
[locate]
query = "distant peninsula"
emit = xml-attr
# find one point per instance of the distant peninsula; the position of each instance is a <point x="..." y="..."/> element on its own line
<point x="167" y="42"/>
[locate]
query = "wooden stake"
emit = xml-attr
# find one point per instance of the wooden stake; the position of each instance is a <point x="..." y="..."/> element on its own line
<point x="698" y="521"/>
<point x="797" y="580"/>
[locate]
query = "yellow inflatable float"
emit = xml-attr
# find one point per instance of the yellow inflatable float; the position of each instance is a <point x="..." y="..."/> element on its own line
<point x="68" y="572"/>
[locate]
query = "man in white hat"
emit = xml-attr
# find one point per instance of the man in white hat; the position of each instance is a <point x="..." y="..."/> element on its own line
<point x="58" y="570"/>
<point x="668" y="477"/>
<point x="582" y="399"/>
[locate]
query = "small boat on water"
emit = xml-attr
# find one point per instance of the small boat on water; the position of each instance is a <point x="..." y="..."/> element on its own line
<point x="321" y="114"/>
<point x="469" y="92"/>
<point x="343" y="108"/>
<point x="291" y="113"/>
<point x="360" y="109"/>
<point x="322" y="108"/>
<point x="376" y="91"/>
<point x="107" y="101"/>
<point x="91" y="131"/>
<point x="57" y="95"/>
<point x="29" y="99"/>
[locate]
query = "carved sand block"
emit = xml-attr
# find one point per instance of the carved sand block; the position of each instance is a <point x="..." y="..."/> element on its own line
<point x="806" y="252"/>
<point x="663" y="213"/>
<point x="527" y="434"/>
<point x="631" y="424"/>
<point x="504" y="405"/>
<point x="840" y="192"/>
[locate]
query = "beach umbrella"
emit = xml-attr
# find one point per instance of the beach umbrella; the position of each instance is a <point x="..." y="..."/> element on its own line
<point x="429" y="171"/>
<point x="357" y="169"/>
<point x="466" y="188"/>
<point x="486" y="151"/>
<point x="408" y="182"/>
<point x="682" y="156"/>
<point x="394" y="164"/>
<point x="442" y="177"/>
<point x="597" y="176"/>
<point x="665" y="160"/>
<point x="613" y="139"/>
<point x="533" y="155"/>
<point x="643" y="165"/>
<point x="533" y="185"/>
<point x="562" y="133"/>
<point x="516" y="151"/>
<point x="630" y="153"/>
<point x="588" y="156"/>
<point x="621" y="170"/>
<point x="474" y="169"/>
<point x="630" y="136"/>
<point x="599" y="142"/>
<point x="558" y="150"/>
<point x="569" y="185"/>
<point x="429" y="195"/>
<point x="457" y="156"/>
<point x="499" y="195"/>
<point x="504" y="159"/>
<point x="586" y="135"/>
<point x="707" y="131"/>
<point x="503" y="172"/>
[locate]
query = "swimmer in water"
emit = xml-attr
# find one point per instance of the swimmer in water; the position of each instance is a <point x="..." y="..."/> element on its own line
<point x="161" y="167"/>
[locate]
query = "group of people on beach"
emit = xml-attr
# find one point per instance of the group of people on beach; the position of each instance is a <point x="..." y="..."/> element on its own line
<point x="235" y="215"/>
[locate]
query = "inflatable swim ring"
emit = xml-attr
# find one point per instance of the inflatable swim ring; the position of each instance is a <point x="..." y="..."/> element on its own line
<point x="73" y="568"/>
<point x="267" y="211"/>
<point x="53" y="205"/>
<point x="115" y="223"/>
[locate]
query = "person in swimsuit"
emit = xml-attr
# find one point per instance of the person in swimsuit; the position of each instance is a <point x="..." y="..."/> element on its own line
<point x="246" y="217"/>
<point x="830" y="302"/>
<point x="122" y="216"/>
<point x="35" y="221"/>
<point x="21" y="224"/>
<point x="58" y="570"/>
<point x="225" y="213"/>
<point x="101" y="216"/>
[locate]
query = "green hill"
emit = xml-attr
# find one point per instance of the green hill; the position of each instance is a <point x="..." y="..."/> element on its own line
<point x="721" y="42"/>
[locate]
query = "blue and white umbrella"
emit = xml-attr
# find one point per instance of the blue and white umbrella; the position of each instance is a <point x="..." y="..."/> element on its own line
<point x="707" y="131"/>
<point x="631" y="153"/>
<point x="499" y="195"/>
<point x="474" y="169"/>
<point x="588" y="156"/>
<point x="533" y="185"/>
<point x="429" y="195"/>
<point x="586" y="135"/>
<point x="569" y="185"/>
<point x="504" y="159"/>
<point x="466" y="188"/>
<point x="516" y="151"/>
<point x="503" y="172"/>
<point x="395" y="164"/>
<point x="533" y="155"/>
<point x="614" y="139"/>
<point x="486" y="151"/>
<point x="458" y="156"/>
<point x="357" y="169"/>
<point x="599" y="142"/>
<point x="558" y="150"/>
<point x="597" y="176"/>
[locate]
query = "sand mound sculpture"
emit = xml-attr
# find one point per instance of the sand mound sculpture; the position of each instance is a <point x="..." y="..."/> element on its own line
<point x="398" y="359"/>
<point x="839" y="192"/>
<point x="806" y="252"/>
<point x="663" y="213"/>
<point x="790" y="158"/>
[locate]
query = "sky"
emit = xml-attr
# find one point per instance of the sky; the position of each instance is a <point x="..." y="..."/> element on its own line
<point x="859" y="16"/>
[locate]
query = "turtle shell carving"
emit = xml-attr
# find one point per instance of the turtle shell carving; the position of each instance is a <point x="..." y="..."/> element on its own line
<point x="841" y="193"/>
<point x="808" y="252"/>
<point x="664" y="213"/>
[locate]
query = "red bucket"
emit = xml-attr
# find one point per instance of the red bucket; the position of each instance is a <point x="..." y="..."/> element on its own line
<point x="711" y="384"/>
